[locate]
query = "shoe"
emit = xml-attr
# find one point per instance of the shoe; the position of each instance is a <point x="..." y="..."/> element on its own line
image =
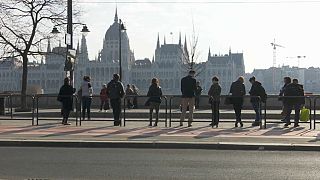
<point x="189" y="125"/>
<point x="256" y="124"/>
<point x="181" y="124"/>
<point x="150" y="125"/>
<point x="215" y="125"/>
<point x="236" y="124"/>
<point x="155" y="125"/>
<point x="287" y="124"/>
<point x="211" y="124"/>
<point x="296" y="125"/>
<point x="66" y="124"/>
<point x="283" y="120"/>
<point x="241" y="124"/>
<point x="100" y="110"/>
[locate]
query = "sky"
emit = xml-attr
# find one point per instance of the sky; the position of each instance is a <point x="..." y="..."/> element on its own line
<point x="244" y="27"/>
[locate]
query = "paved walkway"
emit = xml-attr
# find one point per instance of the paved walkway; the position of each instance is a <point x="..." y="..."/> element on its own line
<point x="200" y="133"/>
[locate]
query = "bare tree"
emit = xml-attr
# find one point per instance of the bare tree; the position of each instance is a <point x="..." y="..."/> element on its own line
<point x="190" y="56"/>
<point x="24" y="25"/>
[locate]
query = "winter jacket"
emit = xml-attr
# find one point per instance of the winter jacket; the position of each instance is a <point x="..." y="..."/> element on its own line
<point x="155" y="93"/>
<point x="257" y="90"/>
<point x="198" y="91"/>
<point x="115" y="90"/>
<point x="215" y="92"/>
<point x="237" y="91"/>
<point x="188" y="87"/>
<point x="86" y="89"/>
<point x="65" y="96"/>
<point x="293" y="90"/>
<point x="103" y="94"/>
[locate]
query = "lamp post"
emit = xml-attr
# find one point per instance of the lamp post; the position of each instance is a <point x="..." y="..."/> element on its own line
<point x="121" y="28"/>
<point x="69" y="40"/>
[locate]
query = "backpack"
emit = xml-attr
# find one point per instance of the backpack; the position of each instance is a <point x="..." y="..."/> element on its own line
<point x="263" y="95"/>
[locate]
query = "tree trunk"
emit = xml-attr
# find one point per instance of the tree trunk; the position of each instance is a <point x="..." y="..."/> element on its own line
<point x="24" y="82"/>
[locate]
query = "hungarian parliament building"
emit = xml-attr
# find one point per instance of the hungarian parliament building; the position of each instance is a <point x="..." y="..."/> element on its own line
<point x="168" y="65"/>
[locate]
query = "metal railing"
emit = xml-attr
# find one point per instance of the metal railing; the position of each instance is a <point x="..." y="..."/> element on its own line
<point x="145" y="98"/>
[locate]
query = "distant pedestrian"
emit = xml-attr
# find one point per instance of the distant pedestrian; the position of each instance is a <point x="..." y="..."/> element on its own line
<point x="65" y="97"/>
<point x="237" y="91"/>
<point x="214" y="100"/>
<point x="135" y="99"/>
<point x="104" y="99"/>
<point x="257" y="90"/>
<point x="287" y="81"/>
<point x="115" y="92"/>
<point x="86" y="94"/>
<point x="293" y="99"/>
<point x="188" y="89"/>
<point x="129" y="92"/>
<point x="198" y="94"/>
<point x="154" y="94"/>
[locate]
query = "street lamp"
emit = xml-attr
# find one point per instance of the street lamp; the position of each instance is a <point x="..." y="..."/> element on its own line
<point x="121" y="28"/>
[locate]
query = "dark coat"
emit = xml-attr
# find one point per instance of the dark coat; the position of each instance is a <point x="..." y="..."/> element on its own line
<point x="115" y="90"/>
<point x="188" y="87"/>
<point x="257" y="90"/>
<point x="154" y="93"/>
<point x="65" y="96"/>
<point x="293" y="90"/>
<point x="237" y="90"/>
<point x="215" y="92"/>
<point x="198" y="91"/>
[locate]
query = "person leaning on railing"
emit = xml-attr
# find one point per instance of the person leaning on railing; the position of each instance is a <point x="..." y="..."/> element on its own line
<point x="237" y="91"/>
<point x="65" y="97"/>
<point x="154" y="101"/>
<point x="214" y="100"/>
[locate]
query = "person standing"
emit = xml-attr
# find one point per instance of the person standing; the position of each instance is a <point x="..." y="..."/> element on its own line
<point x="135" y="99"/>
<point x="104" y="98"/>
<point x="214" y="100"/>
<point x="198" y="94"/>
<point x="154" y="94"/>
<point x="65" y="97"/>
<point x="259" y="92"/>
<point x="287" y="81"/>
<point x="115" y="91"/>
<point x="188" y="89"/>
<point x="237" y="91"/>
<point x="129" y="92"/>
<point x="291" y="102"/>
<point x="86" y="94"/>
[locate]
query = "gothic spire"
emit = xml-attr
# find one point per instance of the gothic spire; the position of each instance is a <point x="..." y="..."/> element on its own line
<point x="158" y="42"/>
<point x="84" y="49"/>
<point x="185" y="43"/>
<point x="78" y="48"/>
<point x="49" y="46"/>
<point x="116" y="16"/>
<point x="180" y="43"/>
<point x="164" y="41"/>
<point x="209" y="54"/>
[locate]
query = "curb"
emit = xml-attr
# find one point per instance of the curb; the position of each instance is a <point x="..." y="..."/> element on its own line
<point x="160" y="145"/>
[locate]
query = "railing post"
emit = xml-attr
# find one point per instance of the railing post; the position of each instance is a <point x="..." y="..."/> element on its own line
<point x="33" y="109"/>
<point x="310" y="113"/>
<point x="124" y="111"/>
<point x="315" y="112"/>
<point x="170" y="113"/>
<point x="11" y="108"/>
<point x="37" y="105"/>
<point x="166" y="119"/>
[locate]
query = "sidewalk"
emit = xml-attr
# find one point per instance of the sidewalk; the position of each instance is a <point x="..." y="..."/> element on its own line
<point x="137" y="135"/>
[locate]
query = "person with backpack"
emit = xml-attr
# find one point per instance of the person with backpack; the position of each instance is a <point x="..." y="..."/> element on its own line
<point x="115" y="91"/>
<point x="154" y="101"/>
<point x="291" y="102"/>
<point x="259" y="92"/>
<point x="129" y="92"/>
<point x="104" y="99"/>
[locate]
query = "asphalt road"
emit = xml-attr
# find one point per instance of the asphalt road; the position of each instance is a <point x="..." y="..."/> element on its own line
<point x="150" y="164"/>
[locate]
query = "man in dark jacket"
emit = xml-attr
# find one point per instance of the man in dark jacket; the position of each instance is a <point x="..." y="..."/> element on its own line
<point x="115" y="92"/>
<point x="260" y="96"/>
<point x="291" y="102"/>
<point x="237" y="91"/>
<point x="287" y="81"/>
<point x="188" y="89"/>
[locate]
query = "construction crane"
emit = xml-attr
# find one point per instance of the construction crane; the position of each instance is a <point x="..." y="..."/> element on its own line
<point x="275" y="46"/>
<point x="298" y="59"/>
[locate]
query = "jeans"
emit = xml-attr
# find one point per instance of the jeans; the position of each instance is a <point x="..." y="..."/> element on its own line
<point x="289" y="109"/>
<point x="116" y="107"/>
<point x="237" y="106"/>
<point x="104" y="104"/>
<point x="197" y="102"/>
<point x="154" y="106"/>
<point x="86" y="106"/>
<point x="257" y="109"/>
<point x="215" y="112"/>
<point x="185" y="102"/>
